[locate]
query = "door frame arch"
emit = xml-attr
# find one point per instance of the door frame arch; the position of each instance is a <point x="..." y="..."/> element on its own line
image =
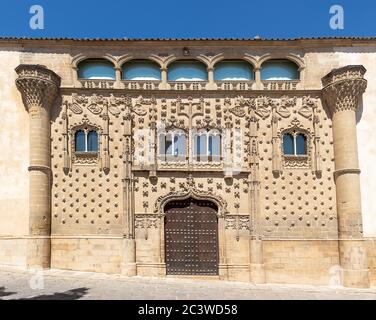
<point x="192" y="192"/>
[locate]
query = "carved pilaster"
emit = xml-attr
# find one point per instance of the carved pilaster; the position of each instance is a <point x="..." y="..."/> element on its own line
<point x="317" y="139"/>
<point x="129" y="249"/>
<point x="39" y="87"/>
<point x="105" y="133"/>
<point x="227" y="141"/>
<point x="276" y="155"/>
<point x="128" y="178"/>
<point x="257" y="271"/>
<point x="253" y="178"/>
<point x="343" y="89"/>
<point x="153" y="139"/>
<point x="67" y="160"/>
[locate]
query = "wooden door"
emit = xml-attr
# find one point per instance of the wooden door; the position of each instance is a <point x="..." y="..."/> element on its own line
<point x="191" y="237"/>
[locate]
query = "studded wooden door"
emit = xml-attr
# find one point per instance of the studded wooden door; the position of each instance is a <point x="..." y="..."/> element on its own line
<point x="191" y="238"/>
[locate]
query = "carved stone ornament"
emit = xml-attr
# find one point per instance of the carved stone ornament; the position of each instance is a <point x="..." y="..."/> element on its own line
<point x="284" y="106"/>
<point x="262" y="106"/>
<point x="146" y="222"/>
<point x="96" y="103"/>
<point x="308" y="104"/>
<point x="191" y="191"/>
<point x="38" y="85"/>
<point x="139" y="107"/>
<point x="344" y="87"/>
<point x="76" y="103"/>
<point x="237" y="222"/>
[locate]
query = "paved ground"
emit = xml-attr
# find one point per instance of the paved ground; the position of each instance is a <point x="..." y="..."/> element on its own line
<point x="69" y="285"/>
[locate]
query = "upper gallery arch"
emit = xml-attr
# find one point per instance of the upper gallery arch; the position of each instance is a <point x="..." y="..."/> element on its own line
<point x="189" y="69"/>
<point x="280" y="67"/>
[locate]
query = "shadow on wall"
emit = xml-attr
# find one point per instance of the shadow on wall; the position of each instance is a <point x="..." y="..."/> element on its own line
<point x="359" y="111"/>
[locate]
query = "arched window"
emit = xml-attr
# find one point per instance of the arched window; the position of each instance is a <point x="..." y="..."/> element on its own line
<point x="141" y="70"/>
<point x="86" y="141"/>
<point x="80" y="144"/>
<point x="279" y="70"/>
<point x="288" y="144"/>
<point x="301" y="144"/>
<point x="92" y="141"/>
<point x="294" y="144"/>
<point x="172" y="146"/>
<point x="187" y="71"/>
<point x="207" y="145"/>
<point x="233" y="71"/>
<point x="96" y="69"/>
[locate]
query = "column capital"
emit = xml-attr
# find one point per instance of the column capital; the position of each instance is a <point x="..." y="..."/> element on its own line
<point x="38" y="85"/>
<point x="344" y="87"/>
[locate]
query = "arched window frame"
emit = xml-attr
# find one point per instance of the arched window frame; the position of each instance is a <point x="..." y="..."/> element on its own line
<point x="148" y="61"/>
<point x="250" y="65"/>
<point x="173" y="156"/>
<point x="295" y="133"/>
<point x="93" y="60"/>
<point x="207" y="154"/>
<point x="171" y="64"/>
<point x="86" y="131"/>
<point x="286" y="60"/>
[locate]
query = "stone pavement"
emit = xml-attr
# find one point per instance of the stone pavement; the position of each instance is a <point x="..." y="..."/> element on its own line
<point x="70" y="285"/>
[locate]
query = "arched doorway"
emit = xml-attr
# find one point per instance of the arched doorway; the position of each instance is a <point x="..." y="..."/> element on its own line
<point x="191" y="237"/>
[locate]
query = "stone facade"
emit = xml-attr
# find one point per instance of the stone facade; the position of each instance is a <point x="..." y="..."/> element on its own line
<point x="282" y="219"/>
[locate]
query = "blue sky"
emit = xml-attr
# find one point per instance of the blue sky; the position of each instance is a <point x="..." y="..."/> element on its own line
<point x="189" y="18"/>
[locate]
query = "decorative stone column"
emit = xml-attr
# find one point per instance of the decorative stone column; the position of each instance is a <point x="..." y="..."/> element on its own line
<point x="257" y="267"/>
<point x="118" y="84"/>
<point x="342" y="91"/>
<point x="163" y="84"/>
<point x="39" y="87"/>
<point x="211" y="84"/>
<point x="257" y="71"/>
<point x="128" y="265"/>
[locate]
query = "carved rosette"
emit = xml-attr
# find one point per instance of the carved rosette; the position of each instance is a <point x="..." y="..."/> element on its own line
<point x="38" y="85"/>
<point x="343" y="88"/>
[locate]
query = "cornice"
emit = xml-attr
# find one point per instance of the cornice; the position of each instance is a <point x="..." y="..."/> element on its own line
<point x="202" y="42"/>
